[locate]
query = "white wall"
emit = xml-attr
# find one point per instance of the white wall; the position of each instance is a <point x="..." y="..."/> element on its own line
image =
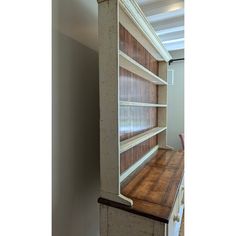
<point x="77" y="19"/>
<point x="75" y="138"/>
<point x="176" y="101"/>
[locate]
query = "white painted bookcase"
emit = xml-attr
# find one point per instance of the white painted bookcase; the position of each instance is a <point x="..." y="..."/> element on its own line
<point x="111" y="13"/>
<point x="116" y="220"/>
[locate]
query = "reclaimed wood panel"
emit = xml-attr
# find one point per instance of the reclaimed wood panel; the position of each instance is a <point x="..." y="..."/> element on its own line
<point x="157" y="183"/>
<point x="134" y="88"/>
<point x="155" y="187"/>
<point x="135" y="120"/>
<point x="131" y="156"/>
<point x="130" y="46"/>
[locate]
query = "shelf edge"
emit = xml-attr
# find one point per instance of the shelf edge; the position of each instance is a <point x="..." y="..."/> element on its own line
<point x="137" y="164"/>
<point x="133" y="66"/>
<point x="141" y="104"/>
<point x="137" y="139"/>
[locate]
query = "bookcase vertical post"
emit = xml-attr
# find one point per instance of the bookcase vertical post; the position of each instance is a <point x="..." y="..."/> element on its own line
<point x="109" y="101"/>
<point x="162" y="99"/>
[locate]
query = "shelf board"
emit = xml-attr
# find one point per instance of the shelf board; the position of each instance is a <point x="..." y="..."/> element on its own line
<point x="138" y="163"/>
<point x="155" y="194"/>
<point x="131" y="65"/>
<point x="141" y="104"/>
<point x="137" y="139"/>
<point x="160" y="181"/>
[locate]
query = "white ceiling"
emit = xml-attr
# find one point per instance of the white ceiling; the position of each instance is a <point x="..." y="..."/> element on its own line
<point x="167" y="18"/>
<point x="78" y="19"/>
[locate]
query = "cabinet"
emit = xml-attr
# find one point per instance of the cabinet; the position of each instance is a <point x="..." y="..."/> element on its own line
<point x="157" y="194"/>
<point x="133" y="125"/>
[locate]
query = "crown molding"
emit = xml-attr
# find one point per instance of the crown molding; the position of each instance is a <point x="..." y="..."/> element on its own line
<point x="135" y="13"/>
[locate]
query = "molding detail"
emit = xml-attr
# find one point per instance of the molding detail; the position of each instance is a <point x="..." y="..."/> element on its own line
<point x="135" y="13"/>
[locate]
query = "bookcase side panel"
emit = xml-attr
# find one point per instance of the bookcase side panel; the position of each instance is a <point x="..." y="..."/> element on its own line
<point x="108" y="12"/>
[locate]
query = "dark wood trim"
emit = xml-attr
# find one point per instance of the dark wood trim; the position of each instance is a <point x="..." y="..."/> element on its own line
<point x="130" y="209"/>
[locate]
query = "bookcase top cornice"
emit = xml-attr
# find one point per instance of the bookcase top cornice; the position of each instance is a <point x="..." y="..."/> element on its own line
<point x="136" y="14"/>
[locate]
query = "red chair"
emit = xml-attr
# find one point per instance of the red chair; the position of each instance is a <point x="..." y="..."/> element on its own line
<point x="181" y="136"/>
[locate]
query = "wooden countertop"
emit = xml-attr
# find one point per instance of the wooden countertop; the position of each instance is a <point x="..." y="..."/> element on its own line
<point x="154" y="188"/>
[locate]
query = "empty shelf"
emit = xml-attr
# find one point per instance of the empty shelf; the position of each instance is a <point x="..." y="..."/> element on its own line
<point x="141" y="104"/>
<point x="137" y="139"/>
<point x="138" y="163"/>
<point x="131" y="65"/>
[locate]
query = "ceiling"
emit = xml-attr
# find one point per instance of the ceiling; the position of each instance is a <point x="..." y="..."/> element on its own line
<point x="78" y="19"/>
<point x="167" y="19"/>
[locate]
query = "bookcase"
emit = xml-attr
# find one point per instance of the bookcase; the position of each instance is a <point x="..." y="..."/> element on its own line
<point x="133" y="93"/>
<point x="142" y="179"/>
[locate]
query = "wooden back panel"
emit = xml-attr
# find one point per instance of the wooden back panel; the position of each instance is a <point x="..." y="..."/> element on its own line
<point x="129" y="157"/>
<point x="133" y="88"/>
<point x="130" y="46"/>
<point x="135" y="120"/>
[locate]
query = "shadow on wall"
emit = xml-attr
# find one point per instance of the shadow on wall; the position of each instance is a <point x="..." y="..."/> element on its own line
<point x="75" y="138"/>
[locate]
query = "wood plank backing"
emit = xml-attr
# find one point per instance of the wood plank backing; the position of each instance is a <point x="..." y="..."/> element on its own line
<point x="135" y="120"/>
<point x="130" y="46"/>
<point x="134" y="88"/>
<point x="131" y="156"/>
<point x="155" y="187"/>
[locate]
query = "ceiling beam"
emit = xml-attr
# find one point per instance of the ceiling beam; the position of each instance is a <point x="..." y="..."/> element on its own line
<point x="174" y="46"/>
<point x="170" y="30"/>
<point x="173" y="41"/>
<point x="156" y="7"/>
<point x="163" y="6"/>
<point x="171" y="36"/>
<point x="170" y="23"/>
<point x="166" y="15"/>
